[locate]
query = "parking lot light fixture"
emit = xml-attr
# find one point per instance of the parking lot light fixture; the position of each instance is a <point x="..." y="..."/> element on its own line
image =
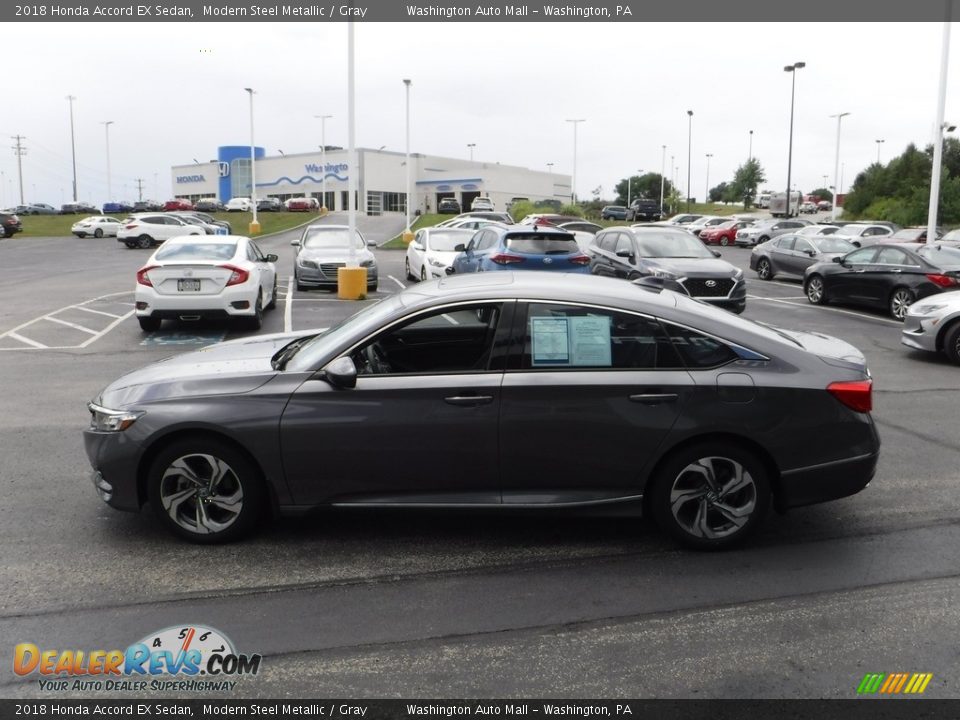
<point x="792" y="69"/>
<point x="254" y="224"/>
<point x="663" y="164"/>
<point x="323" y="161"/>
<point x="471" y="146"/>
<point x="750" y="148"/>
<point x="689" y="149"/>
<point x="550" y="168"/>
<point x="879" y="143"/>
<point x="106" y="126"/>
<point x="836" y="165"/>
<point x="573" y="179"/>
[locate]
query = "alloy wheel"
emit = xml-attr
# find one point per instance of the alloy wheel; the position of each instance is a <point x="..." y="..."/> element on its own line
<point x="201" y="493"/>
<point x="900" y="300"/>
<point x="713" y="498"/>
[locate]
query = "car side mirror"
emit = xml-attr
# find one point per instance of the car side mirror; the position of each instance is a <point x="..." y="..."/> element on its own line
<point x="272" y="258"/>
<point x="295" y="243"/>
<point x="371" y="243"/>
<point x="856" y="242"/>
<point x="417" y="246"/>
<point x="811" y="253"/>
<point x="450" y="270"/>
<point x="716" y="253"/>
<point x="838" y="260"/>
<point x="624" y="253"/>
<point x="340" y="373"/>
<point x="460" y="247"/>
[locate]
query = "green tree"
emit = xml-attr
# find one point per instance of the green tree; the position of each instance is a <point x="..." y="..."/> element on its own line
<point x="746" y="180"/>
<point x="642" y="186"/>
<point x="720" y="193"/>
<point x="823" y="194"/>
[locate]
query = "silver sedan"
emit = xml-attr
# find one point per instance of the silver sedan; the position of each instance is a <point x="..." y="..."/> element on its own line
<point x="933" y="324"/>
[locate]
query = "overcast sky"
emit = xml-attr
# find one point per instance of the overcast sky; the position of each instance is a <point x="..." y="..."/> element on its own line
<point x="174" y="92"/>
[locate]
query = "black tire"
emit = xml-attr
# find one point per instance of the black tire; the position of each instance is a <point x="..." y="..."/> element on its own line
<point x="764" y="270"/>
<point x="815" y="290"/>
<point x="273" y="295"/>
<point x="144" y="242"/>
<point x="711" y="495"/>
<point x="900" y="299"/>
<point x="762" y="239"/>
<point x="423" y="274"/>
<point x="149" y="324"/>
<point x="255" y="321"/>
<point x="131" y="244"/>
<point x="951" y="342"/>
<point x="372" y="287"/>
<point x="81" y="235"/>
<point x="98" y="233"/>
<point x="406" y="267"/>
<point x="184" y="514"/>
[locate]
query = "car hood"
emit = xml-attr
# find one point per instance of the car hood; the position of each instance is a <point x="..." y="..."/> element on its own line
<point x="236" y="366"/>
<point x="331" y="255"/>
<point x="694" y="267"/>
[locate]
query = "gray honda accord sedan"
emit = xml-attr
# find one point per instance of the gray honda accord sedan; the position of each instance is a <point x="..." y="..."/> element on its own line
<point x="526" y="390"/>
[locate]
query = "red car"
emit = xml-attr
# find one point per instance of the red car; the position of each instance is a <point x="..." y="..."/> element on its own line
<point x="722" y="234"/>
<point x="178" y="204"/>
<point x="304" y="204"/>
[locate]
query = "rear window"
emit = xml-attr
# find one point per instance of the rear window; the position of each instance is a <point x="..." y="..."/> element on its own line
<point x="197" y="251"/>
<point x="540" y="244"/>
<point x="940" y="255"/>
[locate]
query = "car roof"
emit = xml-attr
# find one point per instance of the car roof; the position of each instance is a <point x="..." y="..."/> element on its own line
<point x="206" y="239"/>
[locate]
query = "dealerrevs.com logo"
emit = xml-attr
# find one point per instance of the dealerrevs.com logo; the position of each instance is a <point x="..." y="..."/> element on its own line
<point x="180" y="658"/>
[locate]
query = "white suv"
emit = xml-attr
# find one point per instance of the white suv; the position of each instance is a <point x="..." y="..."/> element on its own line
<point x="482" y="203"/>
<point x="143" y="231"/>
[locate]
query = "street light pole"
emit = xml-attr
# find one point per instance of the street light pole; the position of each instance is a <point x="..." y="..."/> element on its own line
<point x="836" y="166"/>
<point x="407" y="235"/>
<point x="706" y="196"/>
<point x="106" y="126"/>
<point x="323" y="160"/>
<point x="471" y="146"/>
<point x="73" y="148"/>
<point x="938" y="145"/>
<point x="573" y="180"/>
<point x="663" y="162"/>
<point x="750" y="150"/>
<point x="878" y="142"/>
<point x="689" y="149"/>
<point x="792" y="69"/>
<point x="550" y="168"/>
<point x="254" y="224"/>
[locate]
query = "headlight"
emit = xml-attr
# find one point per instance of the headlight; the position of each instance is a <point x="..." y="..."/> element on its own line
<point x="924" y="309"/>
<point x="738" y="274"/>
<point x="306" y="263"/>
<point x="434" y="262"/>
<point x="105" y="420"/>
<point x="660" y="273"/>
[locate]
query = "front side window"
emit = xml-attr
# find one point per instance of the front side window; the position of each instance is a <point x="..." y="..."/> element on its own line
<point x="451" y="340"/>
<point x="576" y="337"/>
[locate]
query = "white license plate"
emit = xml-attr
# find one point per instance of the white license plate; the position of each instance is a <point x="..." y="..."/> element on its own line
<point x="188" y="285"/>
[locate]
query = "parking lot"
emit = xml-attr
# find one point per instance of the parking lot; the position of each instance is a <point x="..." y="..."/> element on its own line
<point x="380" y="604"/>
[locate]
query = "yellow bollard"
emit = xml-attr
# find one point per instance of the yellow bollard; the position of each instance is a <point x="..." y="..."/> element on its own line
<point x="407" y="237"/>
<point x="254" y="228"/>
<point x="351" y="283"/>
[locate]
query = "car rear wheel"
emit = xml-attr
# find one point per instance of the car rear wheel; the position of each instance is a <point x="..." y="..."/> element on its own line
<point x="900" y="299"/>
<point x="711" y="495"/>
<point x="815" y="290"/>
<point x="724" y="241"/>
<point x="255" y="321"/>
<point x="149" y="324"/>
<point x="98" y="233"/>
<point x="273" y="295"/>
<point x="406" y="267"/>
<point x="144" y="242"/>
<point x="951" y="343"/>
<point x="764" y="271"/>
<point x="205" y="490"/>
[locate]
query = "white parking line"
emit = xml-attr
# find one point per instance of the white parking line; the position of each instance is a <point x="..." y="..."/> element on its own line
<point x="107" y="329"/>
<point x="288" y="306"/>
<point x="789" y="297"/>
<point x="98" y="312"/>
<point x="23" y="339"/>
<point x="402" y="286"/>
<point x="15" y="334"/>
<point x="69" y="324"/>
<point x="831" y="309"/>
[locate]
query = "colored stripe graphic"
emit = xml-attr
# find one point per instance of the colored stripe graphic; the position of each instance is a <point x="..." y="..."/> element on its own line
<point x="894" y="683"/>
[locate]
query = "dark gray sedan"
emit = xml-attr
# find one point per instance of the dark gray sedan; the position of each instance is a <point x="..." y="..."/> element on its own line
<point x="793" y="254"/>
<point x="689" y="413"/>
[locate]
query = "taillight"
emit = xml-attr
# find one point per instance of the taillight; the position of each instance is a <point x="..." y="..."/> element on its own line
<point x="856" y="395"/>
<point x="238" y="277"/>
<point x="506" y="259"/>
<point x="130" y="227"/>
<point x="142" y="278"/>
<point x="943" y="281"/>
<point x="579" y="260"/>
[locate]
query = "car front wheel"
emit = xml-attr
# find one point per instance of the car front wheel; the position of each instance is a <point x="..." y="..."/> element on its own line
<point x="98" y="233"/>
<point x="205" y="490"/>
<point x="711" y="495"/>
<point x="951" y="343"/>
<point x="815" y="291"/>
<point x="144" y="242"/>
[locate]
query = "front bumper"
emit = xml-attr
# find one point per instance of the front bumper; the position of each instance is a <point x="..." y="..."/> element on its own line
<point x="114" y="458"/>
<point x="920" y="332"/>
<point x="316" y="277"/>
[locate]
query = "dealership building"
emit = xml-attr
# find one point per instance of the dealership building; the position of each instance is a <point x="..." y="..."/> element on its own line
<point x="381" y="179"/>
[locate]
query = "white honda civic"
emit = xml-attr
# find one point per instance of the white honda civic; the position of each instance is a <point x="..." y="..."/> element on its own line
<point x="207" y="276"/>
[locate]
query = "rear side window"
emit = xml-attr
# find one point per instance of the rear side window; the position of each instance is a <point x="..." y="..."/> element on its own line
<point x="541" y="244"/>
<point x="699" y="351"/>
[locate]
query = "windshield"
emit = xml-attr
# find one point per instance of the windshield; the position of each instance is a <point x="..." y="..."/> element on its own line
<point x="826" y="244"/>
<point x="197" y="251"/>
<point x="447" y="240"/>
<point x="330" y="238"/>
<point x="309" y="356"/>
<point x="671" y="245"/>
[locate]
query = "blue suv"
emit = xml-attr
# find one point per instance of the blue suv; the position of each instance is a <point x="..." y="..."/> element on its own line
<point x="520" y="248"/>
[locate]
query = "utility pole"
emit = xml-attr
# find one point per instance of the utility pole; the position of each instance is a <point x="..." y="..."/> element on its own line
<point x="20" y="151"/>
<point x="73" y="148"/>
<point x="140" y="189"/>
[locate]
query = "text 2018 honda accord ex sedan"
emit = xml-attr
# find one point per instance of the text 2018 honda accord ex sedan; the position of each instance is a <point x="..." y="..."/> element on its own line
<point x="535" y="390"/>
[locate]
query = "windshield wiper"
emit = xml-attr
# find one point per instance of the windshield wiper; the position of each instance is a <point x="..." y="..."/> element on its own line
<point x="279" y="361"/>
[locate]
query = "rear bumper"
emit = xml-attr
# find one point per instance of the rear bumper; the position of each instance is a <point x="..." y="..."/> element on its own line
<point x="827" y="481"/>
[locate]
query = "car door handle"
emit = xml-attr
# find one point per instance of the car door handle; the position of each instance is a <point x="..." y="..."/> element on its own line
<point x="654" y="398"/>
<point x="468" y="400"/>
